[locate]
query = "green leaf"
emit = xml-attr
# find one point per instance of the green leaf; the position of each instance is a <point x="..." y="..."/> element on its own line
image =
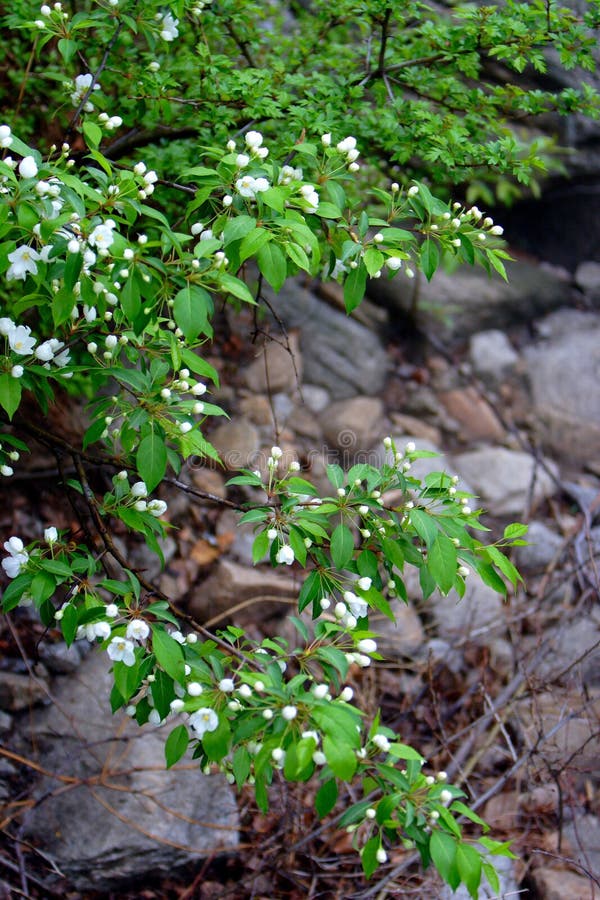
<point x="443" y="853"/>
<point x="176" y="745"/>
<point x="326" y="797"/>
<point x="368" y="855"/>
<point x="235" y="286"/>
<point x="342" y="546"/>
<point x="491" y="875"/>
<point x="168" y="653"/>
<point x="216" y="743"/>
<point x="298" y="256"/>
<point x="191" y="308"/>
<point x="151" y="460"/>
<point x="341" y="757"/>
<point x="429" y="258"/>
<point x="10" y="393"/>
<point x="441" y="562"/>
<point x="272" y="263"/>
<point x="328" y="211"/>
<point x="241" y="765"/>
<point x="42" y="587"/>
<point x="253" y="242"/>
<point x="515" y="530"/>
<point x="355" y="287"/>
<point x="310" y="591"/>
<point x="238" y="228"/>
<point x="403" y="751"/>
<point x="373" y="260"/>
<point x="335" y="474"/>
<point x="260" y="547"/>
<point x="91" y="131"/>
<point x="468" y="863"/>
<point x="459" y="807"/>
<point x="15" y="590"/>
<point x="505" y="565"/>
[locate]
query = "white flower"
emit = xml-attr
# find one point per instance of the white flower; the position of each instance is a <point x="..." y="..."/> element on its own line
<point x="320" y="691"/>
<point x="140" y="505"/>
<point x="13" y="564"/>
<point x="50" y="535"/>
<point x="289" y="713"/>
<point x="157" y="508"/>
<point x="7" y="471"/>
<point x="17" y="371"/>
<point x="194" y="689"/>
<point x="227" y="200"/>
<point x="102" y="236"/>
<point x="276" y="452"/>
<point x="226" y="685"/>
<point x="326" y="139"/>
<point x="445" y="797"/>
<point x="347" y="694"/>
<point x="44" y="351"/>
<point x="364" y="583"/>
<point x="198" y="389"/>
<point x="347" y="144"/>
<point x="278" y="755"/>
<point x="20" y="341"/>
<point x="112" y="611"/>
<point x="380" y="855"/>
<point x="497" y="229"/>
<point x="6" y="325"/>
<point x="14" y="545"/>
<point x="204" y="720"/>
<point x="139" y="489"/>
<point x="285" y="554"/>
<point x="5" y="136"/>
<point x="23" y="261"/>
<point x="137" y="630"/>
<point x="184" y="427"/>
<point x="381" y="742"/>
<point x="412" y="191"/>
<point x="242" y="160"/>
<point x="28" y="167"/>
<point x="121" y="650"/>
<point x="367" y="645"/>
<point x="393" y="263"/>
<point x="254" y="139"/>
<point x="245" y="690"/>
<point x="169" y="27"/>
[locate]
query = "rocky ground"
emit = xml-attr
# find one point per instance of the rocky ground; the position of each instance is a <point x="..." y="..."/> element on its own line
<point x="505" y="382"/>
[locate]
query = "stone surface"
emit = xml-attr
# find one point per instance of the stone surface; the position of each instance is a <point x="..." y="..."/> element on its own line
<point x="231" y="584"/>
<point x="571" y="640"/>
<point x="476" y="418"/>
<point x="478" y="616"/>
<point x="58" y="658"/>
<point x="352" y="426"/>
<point x="276" y="368"/>
<point x="584" y="837"/>
<point x="503" y="479"/>
<point x="338" y="352"/>
<point x="561" y="884"/>
<point x="492" y="355"/>
<point x="587" y="277"/>
<point x="404" y="637"/>
<point x="19" y="692"/>
<point x="563" y="374"/>
<point x="237" y="443"/>
<point x="129" y="815"/>
<point x="543" y="546"/>
<point x="572" y="721"/>
<point x="471" y="302"/>
<point x="315" y="397"/>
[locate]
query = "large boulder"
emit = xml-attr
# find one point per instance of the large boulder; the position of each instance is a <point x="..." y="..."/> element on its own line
<point x="338" y="352"/>
<point x="565" y="390"/>
<point x="467" y="301"/>
<point x="112" y="811"/>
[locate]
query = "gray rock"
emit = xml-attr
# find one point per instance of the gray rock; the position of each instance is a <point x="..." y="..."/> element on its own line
<point x="316" y="397"/>
<point x="470" y="302"/>
<point x="543" y="546"/>
<point x="237" y="443"/>
<point x="276" y="368"/>
<point x="587" y="277"/>
<point x="231" y="584"/>
<point x="404" y="637"/>
<point x="563" y="374"/>
<point x="492" y="354"/>
<point x="575" y="641"/>
<point x="503" y="479"/>
<point x="338" y="352"/>
<point x="60" y="659"/>
<point x="129" y="814"/>
<point x="477" y="616"/>
<point x="584" y="836"/>
<point x="6" y="722"/>
<point x="351" y="426"/>
<point x="19" y="692"/>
